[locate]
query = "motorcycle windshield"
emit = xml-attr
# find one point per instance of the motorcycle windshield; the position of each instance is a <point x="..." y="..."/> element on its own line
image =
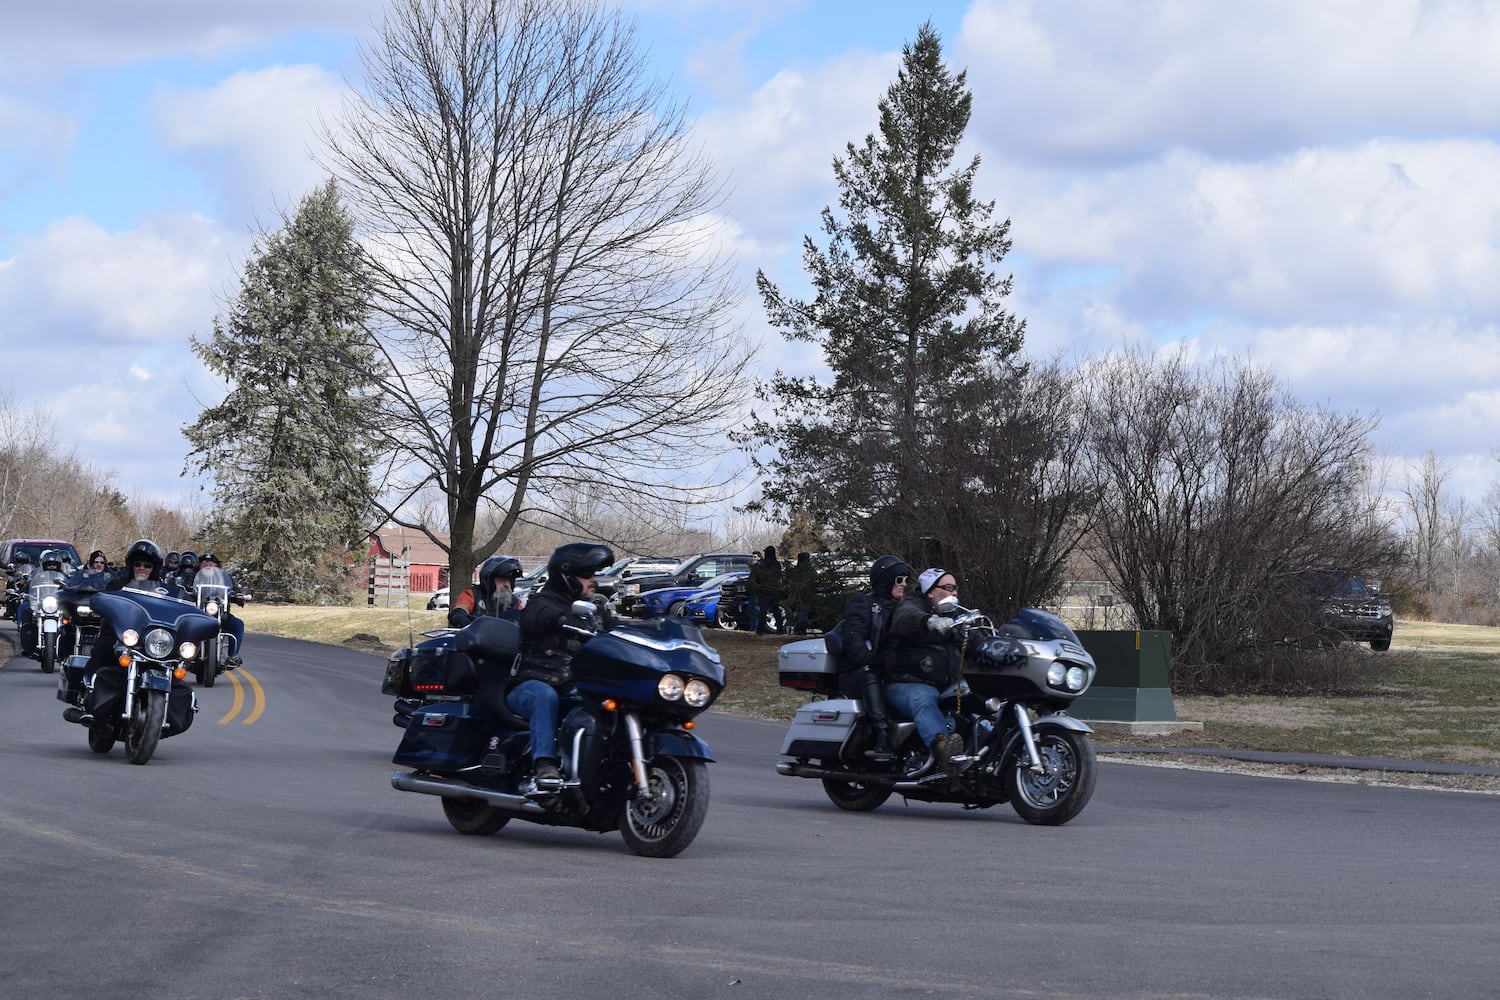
<point x="1034" y="623"/>
<point x="41" y="588"/>
<point x="87" y="581"/>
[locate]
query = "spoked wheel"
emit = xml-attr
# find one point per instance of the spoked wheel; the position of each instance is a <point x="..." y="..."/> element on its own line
<point x="855" y="796"/>
<point x="49" y="652"/>
<point x="1065" y="785"/>
<point x="144" y="730"/>
<point x="102" y="737"/>
<point x="663" y="820"/>
<point x="474" y="817"/>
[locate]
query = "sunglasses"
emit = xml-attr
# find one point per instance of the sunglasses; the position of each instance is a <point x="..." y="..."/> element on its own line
<point x="900" y="580"/>
<point x="950" y="587"/>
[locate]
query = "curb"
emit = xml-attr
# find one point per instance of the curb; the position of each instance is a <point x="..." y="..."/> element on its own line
<point x="1391" y="764"/>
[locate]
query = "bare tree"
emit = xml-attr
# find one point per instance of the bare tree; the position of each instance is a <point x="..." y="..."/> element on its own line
<point x="1424" y="492"/>
<point x="551" y="299"/>
<point x="1218" y="495"/>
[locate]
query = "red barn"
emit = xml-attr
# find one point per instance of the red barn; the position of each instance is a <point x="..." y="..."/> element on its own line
<point x="404" y="560"/>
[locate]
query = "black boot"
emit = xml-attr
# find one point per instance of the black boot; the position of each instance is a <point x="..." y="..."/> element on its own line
<point x="874" y="699"/>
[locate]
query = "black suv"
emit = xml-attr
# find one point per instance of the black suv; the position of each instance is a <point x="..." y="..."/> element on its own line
<point x="1355" y="610"/>
<point x="690" y="572"/>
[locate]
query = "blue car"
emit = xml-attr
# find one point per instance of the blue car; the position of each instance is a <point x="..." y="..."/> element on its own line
<point x="674" y="600"/>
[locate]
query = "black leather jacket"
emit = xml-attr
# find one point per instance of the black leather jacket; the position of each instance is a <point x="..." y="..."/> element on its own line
<point x="919" y="654"/>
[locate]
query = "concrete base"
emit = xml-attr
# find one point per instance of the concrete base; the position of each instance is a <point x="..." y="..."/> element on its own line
<point x="1143" y="728"/>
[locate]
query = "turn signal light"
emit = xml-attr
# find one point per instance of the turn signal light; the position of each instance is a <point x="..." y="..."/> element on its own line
<point x="688" y="724"/>
<point x="124" y="660"/>
<point x="610" y="705"/>
<point x="180" y="672"/>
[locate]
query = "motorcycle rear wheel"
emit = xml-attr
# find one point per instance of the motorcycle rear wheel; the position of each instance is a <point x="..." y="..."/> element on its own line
<point x="1059" y="794"/>
<point x="102" y="738"/>
<point x="49" y="653"/>
<point x="663" y="820"/>
<point x="144" y="729"/>
<point x="474" y="817"/>
<point x="855" y="796"/>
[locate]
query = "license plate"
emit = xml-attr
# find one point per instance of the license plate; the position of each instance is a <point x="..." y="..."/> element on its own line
<point x="49" y="625"/>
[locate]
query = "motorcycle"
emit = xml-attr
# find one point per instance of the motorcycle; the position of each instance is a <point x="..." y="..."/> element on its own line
<point x="80" y="624"/>
<point x="212" y="592"/>
<point x="1010" y="707"/>
<point x="39" y="620"/>
<point x="629" y="758"/>
<point x="140" y="696"/>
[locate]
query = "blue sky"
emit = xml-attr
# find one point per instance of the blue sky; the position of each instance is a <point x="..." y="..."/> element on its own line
<point x="1310" y="185"/>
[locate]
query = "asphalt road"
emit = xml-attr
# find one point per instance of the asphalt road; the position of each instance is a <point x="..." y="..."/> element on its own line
<point x="263" y="853"/>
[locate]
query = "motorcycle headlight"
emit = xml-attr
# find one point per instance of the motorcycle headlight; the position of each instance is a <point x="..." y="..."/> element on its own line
<point x="670" y="687"/>
<point x="159" y="644"/>
<point x="49" y="605"/>
<point x="1077" y="678"/>
<point x="187" y="650"/>
<point x="697" y="693"/>
<point x="1056" y="674"/>
<point x="212" y="607"/>
<point x="131" y="638"/>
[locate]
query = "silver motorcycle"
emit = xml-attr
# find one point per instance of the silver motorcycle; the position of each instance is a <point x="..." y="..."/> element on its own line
<point x="1010" y="704"/>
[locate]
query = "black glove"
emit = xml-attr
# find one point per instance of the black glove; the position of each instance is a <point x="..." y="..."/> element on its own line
<point x="459" y="617"/>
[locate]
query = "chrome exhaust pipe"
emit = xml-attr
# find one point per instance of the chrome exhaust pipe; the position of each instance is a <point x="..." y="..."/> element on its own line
<point x="448" y="788"/>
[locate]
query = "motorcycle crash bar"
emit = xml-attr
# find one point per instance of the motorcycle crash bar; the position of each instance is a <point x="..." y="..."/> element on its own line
<point x="410" y="781"/>
<point x="798" y="769"/>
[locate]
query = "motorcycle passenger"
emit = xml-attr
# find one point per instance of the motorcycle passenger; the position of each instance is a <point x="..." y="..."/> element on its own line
<point x="234" y="626"/>
<point x="170" y="564"/>
<point x="865" y="645"/>
<point x="187" y="566"/>
<point x="544" y="667"/>
<point x="493" y="596"/>
<point x="51" y="572"/>
<point x="924" y="660"/>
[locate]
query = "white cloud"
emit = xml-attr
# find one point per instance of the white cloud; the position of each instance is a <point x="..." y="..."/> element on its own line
<point x="254" y="132"/>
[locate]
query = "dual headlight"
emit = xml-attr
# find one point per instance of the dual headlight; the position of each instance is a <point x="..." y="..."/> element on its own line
<point x="695" y="692"/>
<point x="158" y="644"/>
<point x="1071" y="678"/>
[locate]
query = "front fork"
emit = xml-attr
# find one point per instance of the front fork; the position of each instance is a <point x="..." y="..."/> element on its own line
<point x="1023" y="722"/>
<point x="637" y="751"/>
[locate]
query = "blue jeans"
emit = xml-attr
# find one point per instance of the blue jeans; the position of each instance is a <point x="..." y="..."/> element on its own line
<point x="918" y="702"/>
<point x="538" y="702"/>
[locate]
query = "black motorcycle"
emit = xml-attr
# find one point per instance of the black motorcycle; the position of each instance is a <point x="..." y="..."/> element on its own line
<point x="80" y="623"/>
<point x="1010" y="708"/>
<point x="630" y="760"/>
<point x="213" y="592"/>
<point x="140" y="696"/>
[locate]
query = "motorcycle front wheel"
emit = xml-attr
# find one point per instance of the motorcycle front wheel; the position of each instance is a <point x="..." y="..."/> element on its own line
<point x="474" y="817"/>
<point x="49" y="652"/>
<point x="662" y="820"/>
<point x="208" y="664"/>
<point x="144" y="729"/>
<point x="1064" y="786"/>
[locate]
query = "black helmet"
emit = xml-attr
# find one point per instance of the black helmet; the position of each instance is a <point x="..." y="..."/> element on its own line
<point x="883" y="574"/>
<point x="99" y="555"/>
<point x="188" y="561"/>
<point x="51" y="560"/>
<point x="22" y="559"/>
<point x="495" y="568"/>
<point x="171" y="560"/>
<point x="573" y="560"/>
<point x="208" y="557"/>
<point x="145" y="550"/>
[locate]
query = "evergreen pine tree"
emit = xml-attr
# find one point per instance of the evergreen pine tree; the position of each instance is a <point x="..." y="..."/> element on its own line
<point x="285" y="446"/>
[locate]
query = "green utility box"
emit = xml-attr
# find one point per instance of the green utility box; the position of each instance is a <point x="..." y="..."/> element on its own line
<point x="1131" y="685"/>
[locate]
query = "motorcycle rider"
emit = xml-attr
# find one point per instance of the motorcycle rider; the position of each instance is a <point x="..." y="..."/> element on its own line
<point x="550" y="634"/>
<point x="51" y="562"/>
<point x="142" y="571"/>
<point x="234" y="626"/>
<point x="170" y="564"/>
<point x="187" y="566"/>
<point x="15" y="584"/>
<point x="865" y="645"/>
<point x="924" y="660"/>
<point x="494" y="594"/>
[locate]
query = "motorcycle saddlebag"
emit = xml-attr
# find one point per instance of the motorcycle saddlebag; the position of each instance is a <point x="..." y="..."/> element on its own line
<point x="444" y="737"/>
<point x="821" y="728"/>
<point x="808" y="666"/>
<point x="70" y="681"/>
<point x="182" y="705"/>
<point x="107" y="697"/>
<point x="441" y="671"/>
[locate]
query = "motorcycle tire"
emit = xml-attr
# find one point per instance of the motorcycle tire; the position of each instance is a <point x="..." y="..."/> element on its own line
<point x="474" y="817"/>
<point x="662" y="820"/>
<point x="143" y="731"/>
<point x="855" y="796"/>
<point x="208" y="664"/>
<point x="49" y="653"/>
<point x="1059" y="794"/>
<point x="102" y="738"/>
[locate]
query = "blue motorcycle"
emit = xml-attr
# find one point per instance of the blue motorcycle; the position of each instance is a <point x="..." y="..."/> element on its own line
<point x="630" y="759"/>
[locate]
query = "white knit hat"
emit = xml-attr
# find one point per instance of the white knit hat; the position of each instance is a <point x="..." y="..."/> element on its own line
<point x="929" y="578"/>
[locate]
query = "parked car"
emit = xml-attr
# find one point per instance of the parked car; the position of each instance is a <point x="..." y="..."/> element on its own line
<point x="1355" y="610"/>
<point x="674" y="600"/>
<point x="34" y="547"/>
<point x="694" y="572"/>
<point x="438" y="601"/>
<point x="608" y="581"/>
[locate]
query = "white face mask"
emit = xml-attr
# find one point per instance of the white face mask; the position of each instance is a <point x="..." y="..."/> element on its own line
<point x="947" y="605"/>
